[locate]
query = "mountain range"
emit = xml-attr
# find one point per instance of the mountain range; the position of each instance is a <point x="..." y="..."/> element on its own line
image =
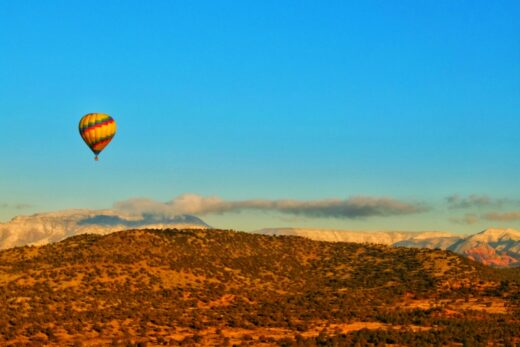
<point x="43" y="228"/>
<point x="495" y="247"/>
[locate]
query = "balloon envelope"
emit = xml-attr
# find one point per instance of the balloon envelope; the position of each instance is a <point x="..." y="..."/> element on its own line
<point x="97" y="130"/>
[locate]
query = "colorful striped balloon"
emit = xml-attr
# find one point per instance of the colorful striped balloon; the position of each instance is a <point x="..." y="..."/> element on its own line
<point x="97" y="130"/>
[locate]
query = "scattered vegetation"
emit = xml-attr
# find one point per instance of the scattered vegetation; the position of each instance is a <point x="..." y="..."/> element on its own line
<point x="215" y="287"/>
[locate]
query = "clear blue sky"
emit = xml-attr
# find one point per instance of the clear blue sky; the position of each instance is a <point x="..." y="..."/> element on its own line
<point x="307" y="100"/>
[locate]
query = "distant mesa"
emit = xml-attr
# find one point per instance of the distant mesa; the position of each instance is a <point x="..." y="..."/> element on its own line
<point x="43" y="228"/>
<point x="111" y="220"/>
<point x="431" y="242"/>
<point x="379" y="237"/>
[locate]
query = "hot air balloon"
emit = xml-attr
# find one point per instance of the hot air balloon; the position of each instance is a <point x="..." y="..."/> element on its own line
<point x="97" y="130"/>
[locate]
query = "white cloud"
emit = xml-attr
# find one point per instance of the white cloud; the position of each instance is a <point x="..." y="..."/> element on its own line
<point x="355" y="207"/>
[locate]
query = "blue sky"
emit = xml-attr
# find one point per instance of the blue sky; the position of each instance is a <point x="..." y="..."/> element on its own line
<point x="414" y="101"/>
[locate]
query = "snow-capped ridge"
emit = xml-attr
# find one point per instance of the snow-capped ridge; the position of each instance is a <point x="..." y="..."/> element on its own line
<point x="43" y="228"/>
<point x="496" y="235"/>
<point x="380" y="237"/>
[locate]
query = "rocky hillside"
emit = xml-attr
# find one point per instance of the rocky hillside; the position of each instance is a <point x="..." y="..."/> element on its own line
<point x="218" y="288"/>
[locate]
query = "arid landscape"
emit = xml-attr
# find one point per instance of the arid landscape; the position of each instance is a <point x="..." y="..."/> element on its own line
<point x="259" y="173"/>
<point x="217" y="288"/>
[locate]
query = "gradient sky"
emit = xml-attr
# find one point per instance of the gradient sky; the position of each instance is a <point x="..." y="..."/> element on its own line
<point x="411" y="100"/>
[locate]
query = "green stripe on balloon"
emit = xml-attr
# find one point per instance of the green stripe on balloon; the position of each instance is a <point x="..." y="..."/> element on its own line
<point x="103" y="139"/>
<point x="91" y="124"/>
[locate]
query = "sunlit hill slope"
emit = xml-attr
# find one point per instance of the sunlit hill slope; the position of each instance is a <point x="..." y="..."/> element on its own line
<point x="212" y="287"/>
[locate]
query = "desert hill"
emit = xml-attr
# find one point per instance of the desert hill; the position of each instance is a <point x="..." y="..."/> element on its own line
<point x="214" y="287"/>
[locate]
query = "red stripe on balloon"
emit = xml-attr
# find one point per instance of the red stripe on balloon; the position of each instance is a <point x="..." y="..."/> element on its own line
<point x="110" y="121"/>
<point x="101" y="144"/>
